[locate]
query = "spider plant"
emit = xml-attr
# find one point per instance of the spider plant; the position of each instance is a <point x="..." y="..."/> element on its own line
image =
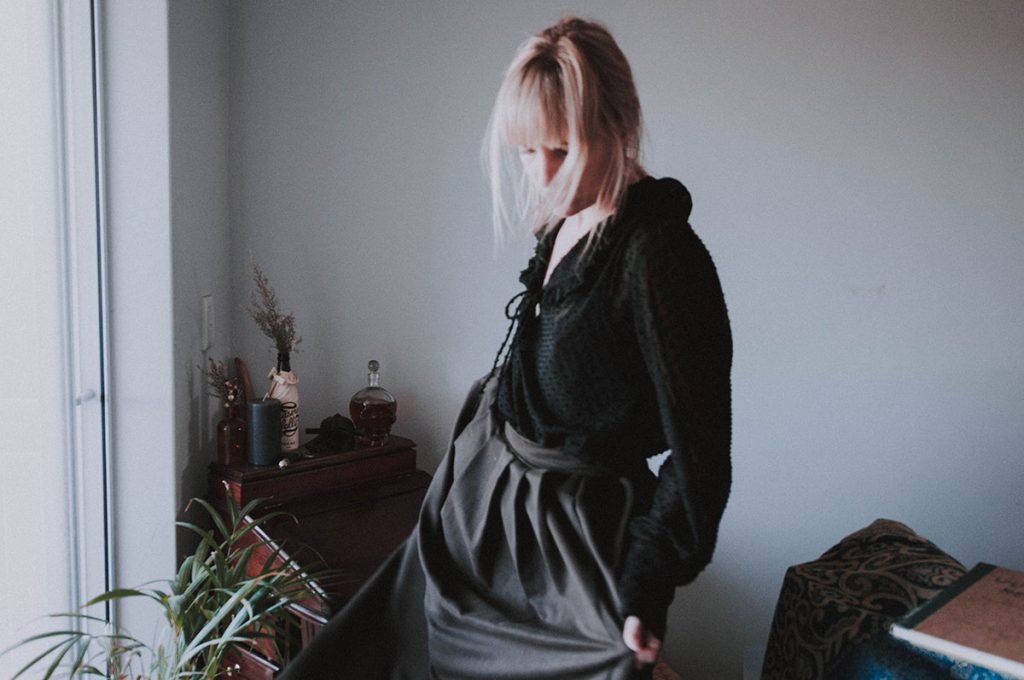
<point x="213" y="602"/>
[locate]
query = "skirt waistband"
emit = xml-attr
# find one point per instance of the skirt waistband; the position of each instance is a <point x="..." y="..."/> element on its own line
<point x="533" y="455"/>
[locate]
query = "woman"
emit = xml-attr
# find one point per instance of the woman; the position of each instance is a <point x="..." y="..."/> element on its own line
<point x="545" y="546"/>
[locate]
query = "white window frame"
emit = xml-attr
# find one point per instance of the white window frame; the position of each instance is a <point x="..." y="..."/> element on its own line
<point x="84" y="297"/>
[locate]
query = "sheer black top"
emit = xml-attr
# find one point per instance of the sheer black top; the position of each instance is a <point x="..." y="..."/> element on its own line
<point x="626" y="352"/>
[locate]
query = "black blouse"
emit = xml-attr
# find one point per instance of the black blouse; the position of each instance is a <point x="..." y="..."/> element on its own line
<point x="630" y="355"/>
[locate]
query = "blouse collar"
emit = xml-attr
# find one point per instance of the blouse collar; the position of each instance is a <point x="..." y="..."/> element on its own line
<point x="582" y="259"/>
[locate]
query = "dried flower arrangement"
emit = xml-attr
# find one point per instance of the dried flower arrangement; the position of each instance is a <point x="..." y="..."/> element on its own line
<point x="220" y="385"/>
<point x="265" y="312"/>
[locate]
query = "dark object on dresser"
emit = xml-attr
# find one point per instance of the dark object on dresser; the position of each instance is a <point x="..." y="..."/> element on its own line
<point x="335" y="434"/>
<point x="849" y="595"/>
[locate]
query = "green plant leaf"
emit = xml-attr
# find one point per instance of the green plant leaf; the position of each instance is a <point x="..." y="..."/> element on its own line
<point x="214" y="514"/>
<point x="241" y="564"/>
<point x="237" y="599"/>
<point x="184" y="570"/>
<point x="46" y="653"/>
<point x="41" y="636"/>
<point x="52" y="668"/>
<point x="92" y="670"/>
<point x="79" y="661"/>
<point x="120" y="594"/>
<point x="194" y="528"/>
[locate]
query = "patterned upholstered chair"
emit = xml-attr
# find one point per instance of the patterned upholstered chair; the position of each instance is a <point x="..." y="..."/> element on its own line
<point x="848" y="596"/>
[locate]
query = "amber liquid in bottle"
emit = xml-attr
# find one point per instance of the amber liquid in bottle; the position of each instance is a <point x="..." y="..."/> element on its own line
<point x="373" y="410"/>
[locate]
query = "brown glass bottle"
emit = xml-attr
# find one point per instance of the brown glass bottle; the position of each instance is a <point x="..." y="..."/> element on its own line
<point x="373" y="410"/>
<point x="231" y="437"/>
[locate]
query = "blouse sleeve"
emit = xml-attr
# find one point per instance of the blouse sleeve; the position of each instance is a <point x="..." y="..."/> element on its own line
<point x="683" y="332"/>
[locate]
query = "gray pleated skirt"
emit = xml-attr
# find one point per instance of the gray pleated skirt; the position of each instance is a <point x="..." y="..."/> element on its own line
<point x="509" y="574"/>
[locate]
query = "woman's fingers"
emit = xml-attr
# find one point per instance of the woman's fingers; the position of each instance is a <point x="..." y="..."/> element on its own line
<point x="644" y="645"/>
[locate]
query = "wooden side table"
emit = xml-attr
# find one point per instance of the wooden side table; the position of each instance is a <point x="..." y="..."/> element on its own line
<point x="353" y="508"/>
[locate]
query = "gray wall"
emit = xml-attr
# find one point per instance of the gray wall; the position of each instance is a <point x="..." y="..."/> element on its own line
<point x="201" y="249"/>
<point x="856" y="172"/>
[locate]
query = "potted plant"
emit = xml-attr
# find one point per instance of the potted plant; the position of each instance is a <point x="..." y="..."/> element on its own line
<point x="216" y="600"/>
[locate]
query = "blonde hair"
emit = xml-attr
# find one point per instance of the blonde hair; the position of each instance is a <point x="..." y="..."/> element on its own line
<point x="571" y="84"/>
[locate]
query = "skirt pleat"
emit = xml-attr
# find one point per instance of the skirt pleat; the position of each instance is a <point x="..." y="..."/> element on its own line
<point x="509" y="575"/>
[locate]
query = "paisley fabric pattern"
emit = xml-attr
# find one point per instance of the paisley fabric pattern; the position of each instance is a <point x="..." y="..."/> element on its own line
<point x="849" y="595"/>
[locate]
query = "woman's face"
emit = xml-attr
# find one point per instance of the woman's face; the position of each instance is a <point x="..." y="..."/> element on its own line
<point x="542" y="163"/>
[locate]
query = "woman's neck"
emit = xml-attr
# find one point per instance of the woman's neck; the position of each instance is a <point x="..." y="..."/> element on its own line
<point x="582" y="223"/>
<point x="574" y="228"/>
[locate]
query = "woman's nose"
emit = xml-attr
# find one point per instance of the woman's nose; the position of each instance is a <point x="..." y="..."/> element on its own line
<point x="551" y="162"/>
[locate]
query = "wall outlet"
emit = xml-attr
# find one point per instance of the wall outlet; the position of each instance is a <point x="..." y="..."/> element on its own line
<point x="207" y="324"/>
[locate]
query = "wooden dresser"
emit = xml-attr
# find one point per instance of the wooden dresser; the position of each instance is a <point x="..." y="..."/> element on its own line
<point x="353" y="508"/>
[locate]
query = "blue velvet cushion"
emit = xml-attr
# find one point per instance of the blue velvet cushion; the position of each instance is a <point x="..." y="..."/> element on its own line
<point x="883" y="657"/>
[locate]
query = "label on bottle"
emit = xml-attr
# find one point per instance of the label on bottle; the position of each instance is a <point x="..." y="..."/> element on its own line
<point x="289" y="425"/>
<point x="284" y="388"/>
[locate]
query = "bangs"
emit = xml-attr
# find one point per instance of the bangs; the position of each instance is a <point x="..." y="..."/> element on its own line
<point x="532" y="109"/>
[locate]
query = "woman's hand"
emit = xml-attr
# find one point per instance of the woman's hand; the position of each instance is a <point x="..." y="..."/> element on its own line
<point x="643" y="643"/>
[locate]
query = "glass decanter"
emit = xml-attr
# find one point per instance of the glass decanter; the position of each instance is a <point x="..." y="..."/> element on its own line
<point x="373" y="410"/>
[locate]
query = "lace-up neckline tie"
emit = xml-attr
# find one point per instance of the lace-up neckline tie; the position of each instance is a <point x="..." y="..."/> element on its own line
<point x="526" y="301"/>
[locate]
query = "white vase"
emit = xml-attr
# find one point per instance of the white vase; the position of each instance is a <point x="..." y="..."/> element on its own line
<point x="284" y="386"/>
